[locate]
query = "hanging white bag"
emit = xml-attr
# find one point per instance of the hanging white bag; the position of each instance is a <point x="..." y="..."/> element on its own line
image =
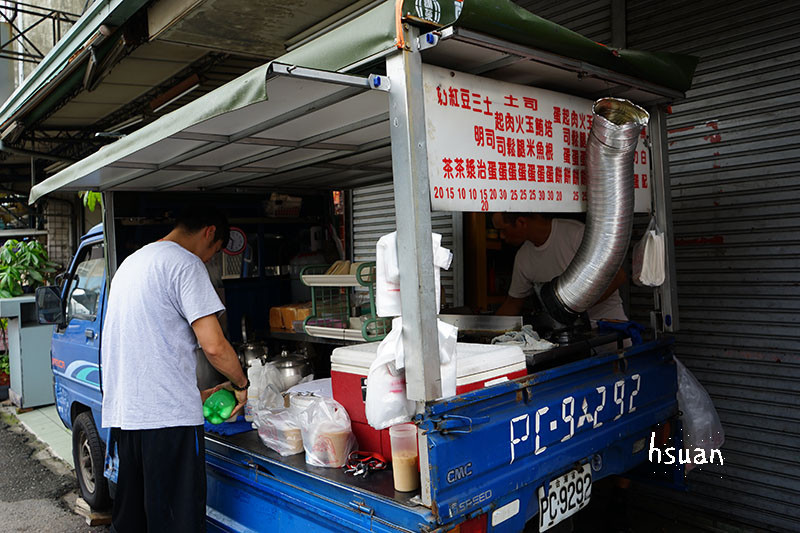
<point x="386" y="403"/>
<point x="648" y="258"/>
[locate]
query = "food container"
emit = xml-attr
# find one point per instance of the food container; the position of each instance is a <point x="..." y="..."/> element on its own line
<point x="404" y="457"/>
<point x="278" y="429"/>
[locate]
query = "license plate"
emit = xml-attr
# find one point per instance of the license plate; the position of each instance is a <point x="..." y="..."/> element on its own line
<point x="568" y="494"/>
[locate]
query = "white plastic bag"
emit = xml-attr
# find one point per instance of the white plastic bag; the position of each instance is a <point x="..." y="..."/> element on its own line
<point x="386" y="403"/>
<point x="278" y="429"/>
<point x="327" y="435"/>
<point x="701" y="426"/>
<point x="387" y="273"/>
<point x="448" y="337"/>
<point x="270" y="388"/>
<point x="648" y="258"/>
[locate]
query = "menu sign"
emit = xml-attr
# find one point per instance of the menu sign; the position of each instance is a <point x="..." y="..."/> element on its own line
<point x="496" y="146"/>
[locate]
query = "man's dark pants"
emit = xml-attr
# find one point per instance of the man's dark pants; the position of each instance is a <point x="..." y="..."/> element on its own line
<point x="161" y="485"/>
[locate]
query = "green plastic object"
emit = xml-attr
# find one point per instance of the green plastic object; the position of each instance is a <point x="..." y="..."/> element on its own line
<point x="219" y="406"/>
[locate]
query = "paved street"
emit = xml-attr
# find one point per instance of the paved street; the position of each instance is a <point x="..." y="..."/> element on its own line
<point x="35" y="490"/>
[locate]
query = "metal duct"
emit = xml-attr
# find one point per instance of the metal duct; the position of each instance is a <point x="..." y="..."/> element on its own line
<point x="616" y="126"/>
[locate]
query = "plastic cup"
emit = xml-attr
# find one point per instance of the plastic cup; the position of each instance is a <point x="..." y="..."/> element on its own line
<point x="404" y="457"/>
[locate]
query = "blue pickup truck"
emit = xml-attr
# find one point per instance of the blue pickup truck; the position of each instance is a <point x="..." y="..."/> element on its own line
<point x="495" y="458"/>
<point x="414" y="94"/>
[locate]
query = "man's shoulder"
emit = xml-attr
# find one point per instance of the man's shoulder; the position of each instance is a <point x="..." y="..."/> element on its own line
<point x="166" y="253"/>
<point x="568" y="224"/>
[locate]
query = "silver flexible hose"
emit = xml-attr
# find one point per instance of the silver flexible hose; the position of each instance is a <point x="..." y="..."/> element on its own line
<point x="616" y="126"/>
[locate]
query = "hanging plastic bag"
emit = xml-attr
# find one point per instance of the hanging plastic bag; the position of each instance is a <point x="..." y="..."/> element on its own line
<point x="448" y="337"/>
<point x="648" y="258"/>
<point x="387" y="273"/>
<point x="327" y="435"/>
<point x="386" y="403"/>
<point x="701" y="426"/>
<point x="279" y="430"/>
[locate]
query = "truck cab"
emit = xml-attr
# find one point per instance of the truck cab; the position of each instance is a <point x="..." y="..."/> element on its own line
<point x="76" y="308"/>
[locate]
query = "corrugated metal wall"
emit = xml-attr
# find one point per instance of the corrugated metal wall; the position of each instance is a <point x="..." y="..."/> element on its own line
<point x="733" y="163"/>
<point x="374" y="216"/>
<point x="591" y="18"/>
<point x="736" y="205"/>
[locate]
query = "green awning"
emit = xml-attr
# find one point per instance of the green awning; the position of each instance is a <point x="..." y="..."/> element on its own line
<point x="356" y="41"/>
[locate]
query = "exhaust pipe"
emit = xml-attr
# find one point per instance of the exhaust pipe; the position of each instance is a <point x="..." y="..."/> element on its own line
<point x="616" y="126"/>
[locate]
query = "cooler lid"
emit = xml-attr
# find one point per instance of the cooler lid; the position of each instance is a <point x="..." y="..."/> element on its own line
<point x="358" y="355"/>
<point x="474" y="358"/>
<point x="471" y="358"/>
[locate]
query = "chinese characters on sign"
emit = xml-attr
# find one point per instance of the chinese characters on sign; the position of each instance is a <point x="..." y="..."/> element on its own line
<point x="495" y="146"/>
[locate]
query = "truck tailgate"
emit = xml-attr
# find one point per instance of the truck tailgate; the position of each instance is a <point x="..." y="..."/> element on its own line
<point x="251" y="488"/>
<point x="493" y="448"/>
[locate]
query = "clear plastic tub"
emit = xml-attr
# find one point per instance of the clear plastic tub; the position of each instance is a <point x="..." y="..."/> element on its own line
<point x="404" y="457"/>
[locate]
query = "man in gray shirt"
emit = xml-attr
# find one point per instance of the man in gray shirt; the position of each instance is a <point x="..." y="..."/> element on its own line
<point x="161" y="305"/>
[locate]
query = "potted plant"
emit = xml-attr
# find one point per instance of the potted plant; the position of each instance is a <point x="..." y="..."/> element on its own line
<point x="24" y="265"/>
<point x="5" y="371"/>
<point x="5" y="376"/>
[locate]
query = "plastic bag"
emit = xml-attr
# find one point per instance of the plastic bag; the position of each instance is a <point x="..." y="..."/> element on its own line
<point x="701" y="426"/>
<point x="386" y="403"/>
<point x="327" y="435"/>
<point x="648" y="258"/>
<point x="387" y="273"/>
<point x="269" y="385"/>
<point x="279" y="430"/>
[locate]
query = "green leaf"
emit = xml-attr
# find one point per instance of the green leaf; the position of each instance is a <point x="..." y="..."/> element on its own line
<point x="35" y="275"/>
<point x="5" y="294"/>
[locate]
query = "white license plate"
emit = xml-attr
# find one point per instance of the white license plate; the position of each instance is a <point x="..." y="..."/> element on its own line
<point x="568" y="494"/>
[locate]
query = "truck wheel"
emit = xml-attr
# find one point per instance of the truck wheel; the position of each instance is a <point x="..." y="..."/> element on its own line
<point x="88" y="454"/>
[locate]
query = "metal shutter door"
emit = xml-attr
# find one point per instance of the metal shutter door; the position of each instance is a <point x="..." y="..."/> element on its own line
<point x="591" y="19"/>
<point x="733" y="164"/>
<point x="374" y="216"/>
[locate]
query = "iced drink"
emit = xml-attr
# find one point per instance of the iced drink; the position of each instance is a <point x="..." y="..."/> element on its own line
<point x="404" y="457"/>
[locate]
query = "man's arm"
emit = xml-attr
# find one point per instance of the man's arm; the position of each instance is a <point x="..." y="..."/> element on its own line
<point x="220" y="354"/>
<point x="616" y="283"/>
<point x="511" y="307"/>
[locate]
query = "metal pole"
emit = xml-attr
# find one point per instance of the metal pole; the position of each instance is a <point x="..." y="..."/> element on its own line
<point x="413" y="208"/>
<point x="662" y="200"/>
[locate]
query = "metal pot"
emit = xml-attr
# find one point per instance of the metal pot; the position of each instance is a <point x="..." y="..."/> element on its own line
<point x="252" y="351"/>
<point x="293" y="368"/>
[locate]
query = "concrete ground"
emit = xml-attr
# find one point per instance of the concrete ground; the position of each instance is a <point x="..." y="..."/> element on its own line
<point x="37" y="489"/>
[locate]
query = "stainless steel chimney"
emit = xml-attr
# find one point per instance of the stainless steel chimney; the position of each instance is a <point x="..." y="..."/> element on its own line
<point x="616" y="126"/>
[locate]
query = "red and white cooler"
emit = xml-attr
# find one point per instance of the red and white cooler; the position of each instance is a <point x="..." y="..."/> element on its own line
<point x="477" y="366"/>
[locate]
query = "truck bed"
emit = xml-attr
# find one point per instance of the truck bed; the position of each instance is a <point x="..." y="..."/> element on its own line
<point x="486" y="453"/>
<point x="251" y="486"/>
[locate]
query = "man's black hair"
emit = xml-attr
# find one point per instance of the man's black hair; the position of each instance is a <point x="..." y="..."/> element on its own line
<point x="195" y="217"/>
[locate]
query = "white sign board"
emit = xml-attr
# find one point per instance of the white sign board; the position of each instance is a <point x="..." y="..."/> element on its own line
<point x="496" y="146"/>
